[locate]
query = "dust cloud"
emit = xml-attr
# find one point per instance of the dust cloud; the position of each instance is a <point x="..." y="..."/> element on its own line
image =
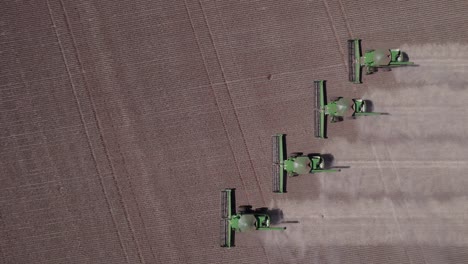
<point x="407" y="178"/>
<point x="370" y="222"/>
<point x="437" y="64"/>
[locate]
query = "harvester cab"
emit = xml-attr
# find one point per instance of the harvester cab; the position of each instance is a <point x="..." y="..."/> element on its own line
<point x="294" y="165"/>
<point x="373" y="60"/>
<point x="244" y="220"/>
<point x="336" y="109"/>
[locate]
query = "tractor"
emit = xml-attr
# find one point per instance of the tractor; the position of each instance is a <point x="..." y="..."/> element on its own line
<point x="337" y="109"/>
<point x="245" y="219"/>
<point x="373" y="60"/>
<point x="294" y="165"/>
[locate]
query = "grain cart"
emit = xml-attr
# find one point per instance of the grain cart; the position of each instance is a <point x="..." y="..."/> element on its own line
<point x="336" y="109"/>
<point x="294" y="165"/>
<point x="245" y="219"/>
<point x="372" y="60"/>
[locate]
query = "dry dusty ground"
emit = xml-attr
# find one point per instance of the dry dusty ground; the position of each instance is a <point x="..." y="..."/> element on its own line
<point x="122" y="121"/>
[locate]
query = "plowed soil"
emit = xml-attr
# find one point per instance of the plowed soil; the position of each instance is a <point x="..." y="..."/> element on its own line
<point x="121" y="122"/>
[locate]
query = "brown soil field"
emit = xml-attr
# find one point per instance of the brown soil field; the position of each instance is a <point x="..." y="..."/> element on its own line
<point x="121" y="122"/>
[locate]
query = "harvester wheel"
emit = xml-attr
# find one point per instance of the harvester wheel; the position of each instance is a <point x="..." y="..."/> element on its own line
<point x="322" y="164"/>
<point x="244" y="208"/>
<point x="370" y="70"/>
<point x="367" y="106"/>
<point x="276" y="216"/>
<point x="363" y="106"/>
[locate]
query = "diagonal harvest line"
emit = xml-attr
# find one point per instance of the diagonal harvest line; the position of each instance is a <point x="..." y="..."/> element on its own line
<point x="211" y="85"/>
<point x="397" y="174"/>
<point x="374" y="151"/>
<point x="232" y="103"/>
<point x="102" y="140"/>
<point x="335" y="33"/>
<point x="85" y="128"/>
<point x="345" y="18"/>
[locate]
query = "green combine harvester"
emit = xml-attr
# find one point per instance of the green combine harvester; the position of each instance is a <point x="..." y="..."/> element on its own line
<point x="373" y="60"/>
<point x="337" y="109"/>
<point x="294" y="165"/>
<point x="245" y="219"/>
